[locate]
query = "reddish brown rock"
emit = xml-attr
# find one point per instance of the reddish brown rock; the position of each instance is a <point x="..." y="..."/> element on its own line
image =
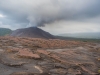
<point x="10" y="50"/>
<point x="72" y="57"/>
<point x="98" y="59"/>
<point x="28" y="54"/>
<point x="43" y="52"/>
<point x="52" y="55"/>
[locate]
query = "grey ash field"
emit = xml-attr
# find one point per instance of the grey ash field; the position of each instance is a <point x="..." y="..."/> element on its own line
<point x="34" y="56"/>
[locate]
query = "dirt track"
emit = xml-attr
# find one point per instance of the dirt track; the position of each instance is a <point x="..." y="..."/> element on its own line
<point x="26" y="56"/>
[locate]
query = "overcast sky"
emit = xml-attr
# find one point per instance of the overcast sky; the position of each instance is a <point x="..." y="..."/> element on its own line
<point x="54" y="16"/>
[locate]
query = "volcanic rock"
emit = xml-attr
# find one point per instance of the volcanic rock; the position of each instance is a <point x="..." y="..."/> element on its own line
<point x="32" y="32"/>
<point x="28" y="54"/>
<point x="55" y="57"/>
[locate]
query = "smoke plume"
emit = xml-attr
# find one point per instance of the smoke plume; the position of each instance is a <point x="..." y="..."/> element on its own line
<point x="55" y="16"/>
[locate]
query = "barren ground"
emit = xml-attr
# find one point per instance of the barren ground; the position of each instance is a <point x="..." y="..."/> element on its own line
<point x="27" y="56"/>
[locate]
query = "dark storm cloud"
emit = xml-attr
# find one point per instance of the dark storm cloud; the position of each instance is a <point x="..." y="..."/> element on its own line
<point x="92" y="10"/>
<point x="41" y="12"/>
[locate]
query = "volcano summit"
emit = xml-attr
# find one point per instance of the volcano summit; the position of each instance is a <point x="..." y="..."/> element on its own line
<point x="32" y="32"/>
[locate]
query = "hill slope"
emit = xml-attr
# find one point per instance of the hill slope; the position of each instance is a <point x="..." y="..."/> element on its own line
<point x="32" y="32"/>
<point x="4" y="31"/>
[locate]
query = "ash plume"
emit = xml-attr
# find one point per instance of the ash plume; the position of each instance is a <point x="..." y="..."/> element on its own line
<point x="48" y="12"/>
<point x="23" y="13"/>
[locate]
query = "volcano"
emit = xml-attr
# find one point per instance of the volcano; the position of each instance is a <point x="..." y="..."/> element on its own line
<point x="32" y="32"/>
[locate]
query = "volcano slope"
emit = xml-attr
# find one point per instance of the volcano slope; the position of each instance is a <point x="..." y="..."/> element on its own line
<point x="31" y="56"/>
<point x="32" y="32"/>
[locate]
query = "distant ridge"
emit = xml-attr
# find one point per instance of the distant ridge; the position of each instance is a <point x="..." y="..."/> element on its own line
<point x="5" y="31"/>
<point x="32" y="32"/>
<point x="89" y="35"/>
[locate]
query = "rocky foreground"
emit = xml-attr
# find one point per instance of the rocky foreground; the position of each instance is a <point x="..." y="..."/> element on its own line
<point x="27" y="56"/>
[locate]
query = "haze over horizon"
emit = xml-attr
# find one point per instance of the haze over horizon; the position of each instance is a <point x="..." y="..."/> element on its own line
<point x="54" y="16"/>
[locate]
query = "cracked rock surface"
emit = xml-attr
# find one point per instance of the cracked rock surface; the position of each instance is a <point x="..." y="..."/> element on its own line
<point x="28" y="56"/>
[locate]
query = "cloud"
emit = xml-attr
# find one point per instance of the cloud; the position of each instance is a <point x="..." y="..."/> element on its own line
<point x="62" y="27"/>
<point x="2" y="16"/>
<point x="26" y="13"/>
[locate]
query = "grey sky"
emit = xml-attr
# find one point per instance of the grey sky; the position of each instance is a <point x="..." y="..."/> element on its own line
<point x="55" y="16"/>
